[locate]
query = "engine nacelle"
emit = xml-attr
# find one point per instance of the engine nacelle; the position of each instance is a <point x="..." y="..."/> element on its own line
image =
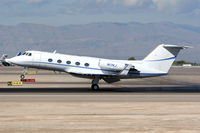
<point x="2" y="60"/>
<point x="111" y="65"/>
<point x="6" y="63"/>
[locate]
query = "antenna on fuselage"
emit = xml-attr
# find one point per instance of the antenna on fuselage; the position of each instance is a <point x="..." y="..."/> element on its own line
<point x="54" y="51"/>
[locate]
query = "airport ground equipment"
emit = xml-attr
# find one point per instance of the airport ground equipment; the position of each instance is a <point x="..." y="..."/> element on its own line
<point x="28" y="80"/>
<point x="22" y="76"/>
<point x="15" y="83"/>
<point x="30" y="73"/>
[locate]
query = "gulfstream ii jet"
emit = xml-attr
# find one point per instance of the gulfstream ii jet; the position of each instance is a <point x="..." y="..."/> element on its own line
<point x="157" y="63"/>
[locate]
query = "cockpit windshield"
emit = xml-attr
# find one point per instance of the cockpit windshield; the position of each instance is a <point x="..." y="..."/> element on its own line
<point x="27" y="54"/>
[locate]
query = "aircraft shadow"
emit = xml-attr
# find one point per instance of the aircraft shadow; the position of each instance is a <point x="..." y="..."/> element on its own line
<point x="171" y="89"/>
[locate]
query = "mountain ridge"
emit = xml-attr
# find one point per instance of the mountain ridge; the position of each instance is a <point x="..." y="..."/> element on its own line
<point x="103" y="39"/>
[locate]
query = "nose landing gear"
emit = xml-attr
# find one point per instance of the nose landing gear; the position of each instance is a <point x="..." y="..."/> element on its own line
<point x="22" y="76"/>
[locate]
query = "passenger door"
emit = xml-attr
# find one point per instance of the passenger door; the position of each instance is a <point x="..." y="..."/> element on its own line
<point x="36" y="59"/>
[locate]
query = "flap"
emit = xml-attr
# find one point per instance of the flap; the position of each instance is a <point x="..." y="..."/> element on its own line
<point x="111" y="80"/>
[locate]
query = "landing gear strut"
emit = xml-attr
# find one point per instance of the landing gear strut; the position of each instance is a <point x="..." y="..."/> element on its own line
<point x="95" y="82"/>
<point x="22" y="76"/>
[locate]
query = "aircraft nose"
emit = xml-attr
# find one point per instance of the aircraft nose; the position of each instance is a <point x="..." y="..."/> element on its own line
<point x="11" y="60"/>
<point x="8" y="60"/>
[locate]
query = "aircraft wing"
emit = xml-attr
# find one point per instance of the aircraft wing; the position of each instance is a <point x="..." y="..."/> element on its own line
<point x="111" y="80"/>
<point x="106" y="78"/>
<point x="91" y="72"/>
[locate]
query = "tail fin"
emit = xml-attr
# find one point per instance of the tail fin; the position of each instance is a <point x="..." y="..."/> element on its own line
<point x="162" y="57"/>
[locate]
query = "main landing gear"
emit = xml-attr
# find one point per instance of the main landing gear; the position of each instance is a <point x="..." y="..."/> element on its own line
<point x="95" y="85"/>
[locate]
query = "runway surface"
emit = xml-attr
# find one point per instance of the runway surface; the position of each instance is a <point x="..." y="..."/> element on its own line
<point x="181" y="85"/>
<point x="141" y="97"/>
<point x="62" y="103"/>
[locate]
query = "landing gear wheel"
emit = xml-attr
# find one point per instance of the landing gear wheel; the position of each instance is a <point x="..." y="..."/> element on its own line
<point x="22" y="76"/>
<point x="95" y="87"/>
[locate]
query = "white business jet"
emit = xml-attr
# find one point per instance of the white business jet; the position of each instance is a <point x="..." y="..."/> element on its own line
<point x="157" y="63"/>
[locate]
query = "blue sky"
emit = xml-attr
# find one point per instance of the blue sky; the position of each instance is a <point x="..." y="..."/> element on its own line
<point x="64" y="12"/>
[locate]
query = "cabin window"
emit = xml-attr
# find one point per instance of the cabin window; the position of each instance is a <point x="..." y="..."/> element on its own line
<point x="24" y="53"/>
<point x="29" y="54"/>
<point x="59" y="61"/>
<point x="68" y="62"/>
<point x="77" y="63"/>
<point x="50" y="60"/>
<point x="87" y="64"/>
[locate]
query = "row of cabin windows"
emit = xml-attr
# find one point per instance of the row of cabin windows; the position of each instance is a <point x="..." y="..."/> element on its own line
<point x="68" y="62"/>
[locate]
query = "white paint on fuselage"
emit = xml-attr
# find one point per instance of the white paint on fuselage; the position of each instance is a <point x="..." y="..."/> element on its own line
<point x="157" y="63"/>
<point x="40" y="60"/>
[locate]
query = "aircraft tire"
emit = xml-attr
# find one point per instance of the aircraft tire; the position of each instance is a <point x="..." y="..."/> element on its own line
<point x="22" y="76"/>
<point x="95" y="87"/>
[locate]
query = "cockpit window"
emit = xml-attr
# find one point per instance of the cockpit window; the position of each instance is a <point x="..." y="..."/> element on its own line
<point x="19" y="54"/>
<point x="27" y="54"/>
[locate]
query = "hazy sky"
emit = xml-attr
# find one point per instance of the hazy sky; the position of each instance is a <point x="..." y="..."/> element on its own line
<point x="63" y="12"/>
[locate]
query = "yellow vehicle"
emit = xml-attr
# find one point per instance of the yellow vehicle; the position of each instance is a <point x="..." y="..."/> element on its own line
<point x="30" y="73"/>
<point x="15" y="83"/>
